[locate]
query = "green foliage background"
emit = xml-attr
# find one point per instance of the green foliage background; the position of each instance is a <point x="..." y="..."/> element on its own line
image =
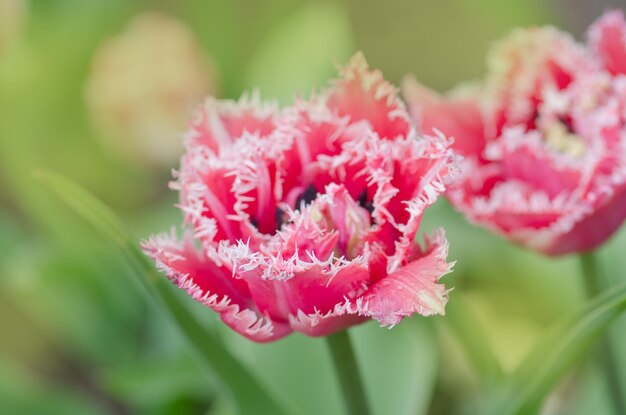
<point x="77" y="334"/>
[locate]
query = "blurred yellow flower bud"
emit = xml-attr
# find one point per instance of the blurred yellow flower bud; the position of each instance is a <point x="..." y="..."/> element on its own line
<point x="143" y="84"/>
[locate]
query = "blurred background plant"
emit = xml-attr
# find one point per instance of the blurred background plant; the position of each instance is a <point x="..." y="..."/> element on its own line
<point x="79" y="336"/>
<point x="143" y="85"/>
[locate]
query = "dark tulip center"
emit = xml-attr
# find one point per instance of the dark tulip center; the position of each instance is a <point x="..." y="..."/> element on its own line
<point x="308" y="196"/>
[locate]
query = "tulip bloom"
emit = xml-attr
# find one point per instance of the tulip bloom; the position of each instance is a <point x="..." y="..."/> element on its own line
<point x="304" y="219"/>
<point x="543" y="138"/>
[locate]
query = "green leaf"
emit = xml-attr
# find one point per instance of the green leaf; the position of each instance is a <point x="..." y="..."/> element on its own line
<point x="399" y="366"/>
<point x="300" y="367"/>
<point x="10" y="234"/>
<point x="154" y="382"/>
<point x="25" y="395"/>
<point x="251" y="396"/>
<point x="50" y="283"/>
<point x="535" y="377"/>
<point x="591" y="395"/>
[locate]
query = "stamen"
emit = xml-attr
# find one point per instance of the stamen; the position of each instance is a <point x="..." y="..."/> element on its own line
<point x="559" y="135"/>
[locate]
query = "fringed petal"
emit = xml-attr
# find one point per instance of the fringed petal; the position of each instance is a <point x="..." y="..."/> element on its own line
<point x="315" y="288"/>
<point x="458" y="116"/>
<point x="211" y="285"/>
<point x="526" y="157"/>
<point x="319" y="324"/>
<point x="315" y="132"/>
<point x="523" y="66"/>
<point x="219" y="123"/>
<point x="363" y="94"/>
<point x="607" y="38"/>
<point x="413" y="288"/>
<point x="592" y="229"/>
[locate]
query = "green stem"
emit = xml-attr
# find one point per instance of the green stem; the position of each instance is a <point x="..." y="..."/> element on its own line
<point x="593" y="286"/>
<point x="348" y="373"/>
<point x="465" y="326"/>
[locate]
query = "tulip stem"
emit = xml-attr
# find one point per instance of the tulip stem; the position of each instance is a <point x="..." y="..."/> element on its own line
<point x="593" y="286"/>
<point x="464" y="325"/>
<point x="347" y="370"/>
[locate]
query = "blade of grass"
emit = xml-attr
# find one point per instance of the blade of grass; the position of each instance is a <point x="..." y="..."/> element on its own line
<point x="251" y="396"/>
<point x="607" y="356"/>
<point x="532" y="381"/>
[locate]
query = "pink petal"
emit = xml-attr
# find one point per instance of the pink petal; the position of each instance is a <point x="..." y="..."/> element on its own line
<point x="206" y="198"/>
<point x="346" y="217"/>
<point x="362" y="94"/>
<point x="316" y="132"/>
<point x="319" y="324"/>
<point x="595" y="228"/>
<point x="457" y="117"/>
<point x="526" y="157"/>
<point x="255" y="187"/>
<point x="219" y="123"/>
<point x="422" y="168"/>
<point x="607" y="37"/>
<point x="213" y="286"/>
<point x="413" y="288"/>
<point x="513" y="206"/>
<point x="313" y="289"/>
<point x="522" y="66"/>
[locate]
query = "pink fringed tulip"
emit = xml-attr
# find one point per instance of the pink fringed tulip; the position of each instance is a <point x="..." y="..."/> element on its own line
<point x="543" y="139"/>
<point x="304" y="219"/>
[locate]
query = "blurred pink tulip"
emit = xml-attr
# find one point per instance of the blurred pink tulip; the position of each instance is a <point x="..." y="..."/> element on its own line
<point x="543" y="138"/>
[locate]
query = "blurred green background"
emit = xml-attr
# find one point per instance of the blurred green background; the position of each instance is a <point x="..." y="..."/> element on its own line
<point x="88" y="87"/>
